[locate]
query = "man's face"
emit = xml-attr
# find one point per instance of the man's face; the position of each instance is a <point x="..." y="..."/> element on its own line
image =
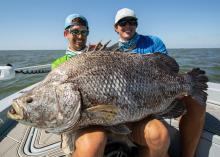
<point x="77" y="37"/>
<point x="126" y="28"/>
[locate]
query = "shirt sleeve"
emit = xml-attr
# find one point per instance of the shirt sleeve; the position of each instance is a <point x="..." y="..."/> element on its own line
<point x="58" y="61"/>
<point x="54" y="64"/>
<point x="160" y="46"/>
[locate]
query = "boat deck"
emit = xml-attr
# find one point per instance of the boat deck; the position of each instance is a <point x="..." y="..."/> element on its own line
<point x="17" y="140"/>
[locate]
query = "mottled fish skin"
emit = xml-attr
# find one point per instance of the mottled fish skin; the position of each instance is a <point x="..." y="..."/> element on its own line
<point x="109" y="88"/>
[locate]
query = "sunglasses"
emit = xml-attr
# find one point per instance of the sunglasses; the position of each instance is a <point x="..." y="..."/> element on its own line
<point x="125" y="22"/>
<point x="77" y="32"/>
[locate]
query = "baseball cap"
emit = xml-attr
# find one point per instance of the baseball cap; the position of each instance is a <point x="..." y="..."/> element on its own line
<point x="69" y="20"/>
<point x="125" y="12"/>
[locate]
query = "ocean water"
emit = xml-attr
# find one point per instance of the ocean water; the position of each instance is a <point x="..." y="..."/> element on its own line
<point x="206" y="59"/>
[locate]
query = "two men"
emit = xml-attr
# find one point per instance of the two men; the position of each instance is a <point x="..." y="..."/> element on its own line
<point x="150" y="134"/>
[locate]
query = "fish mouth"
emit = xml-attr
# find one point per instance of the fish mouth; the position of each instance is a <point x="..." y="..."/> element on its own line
<point x="15" y="112"/>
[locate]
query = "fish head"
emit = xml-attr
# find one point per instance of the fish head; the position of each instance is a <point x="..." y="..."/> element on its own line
<point x="54" y="107"/>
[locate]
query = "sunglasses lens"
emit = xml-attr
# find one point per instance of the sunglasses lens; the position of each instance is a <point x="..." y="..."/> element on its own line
<point x="84" y="32"/>
<point x="125" y="22"/>
<point x="74" y="32"/>
<point x="122" y="23"/>
<point x="77" y="32"/>
<point x="133" y="23"/>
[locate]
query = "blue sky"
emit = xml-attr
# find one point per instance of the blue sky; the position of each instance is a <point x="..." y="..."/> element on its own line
<point x="38" y="24"/>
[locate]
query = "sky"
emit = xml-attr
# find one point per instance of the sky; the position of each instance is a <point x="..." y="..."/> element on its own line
<point x="39" y="24"/>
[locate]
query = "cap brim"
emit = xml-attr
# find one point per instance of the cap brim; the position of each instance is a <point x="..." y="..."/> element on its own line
<point x="126" y="18"/>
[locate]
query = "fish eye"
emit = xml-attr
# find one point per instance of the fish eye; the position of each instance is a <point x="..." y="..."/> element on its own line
<point x="29" y="99"/>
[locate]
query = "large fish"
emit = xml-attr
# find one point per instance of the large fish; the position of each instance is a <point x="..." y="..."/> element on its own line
<point x="107" y="89"/>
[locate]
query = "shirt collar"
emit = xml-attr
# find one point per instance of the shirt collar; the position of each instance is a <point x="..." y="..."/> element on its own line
<point x="129" y="45"/>
<point x="70" y="53"/>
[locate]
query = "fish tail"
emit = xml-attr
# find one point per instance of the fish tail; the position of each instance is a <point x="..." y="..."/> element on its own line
<point x="199" y="85"/>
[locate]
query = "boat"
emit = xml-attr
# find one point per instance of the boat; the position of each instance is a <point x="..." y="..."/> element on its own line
<point x="18" y="140"/>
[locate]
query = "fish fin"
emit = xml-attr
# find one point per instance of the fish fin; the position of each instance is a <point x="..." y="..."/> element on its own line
<point x="119" y="129"/>
<point x="107" y="112"/>
<point x="199" y="85"/>
<point x="163" y="60"/>
<point x="98" y="46"/>
<point x="93" y="47"/>
<point x="113" y="48"/>
<point x="176" y="109"/>
<point x="104" y="46"/>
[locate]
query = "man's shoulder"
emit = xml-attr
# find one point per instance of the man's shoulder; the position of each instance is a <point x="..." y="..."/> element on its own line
<point x="151" y="37"/>
<point x="152" y="44"/>
<point x="59" y="61"/>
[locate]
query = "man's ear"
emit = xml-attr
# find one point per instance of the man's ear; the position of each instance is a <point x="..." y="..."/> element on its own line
<point x="65" y="33"/>
<point x="115" y="27"/>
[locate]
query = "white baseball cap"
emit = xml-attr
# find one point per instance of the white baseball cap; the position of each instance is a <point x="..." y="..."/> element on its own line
<point x="125" y="12"/>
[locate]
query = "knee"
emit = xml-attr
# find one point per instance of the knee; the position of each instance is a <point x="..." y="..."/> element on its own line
<point x="156" y="134"/>
<point x="91" y="142"/>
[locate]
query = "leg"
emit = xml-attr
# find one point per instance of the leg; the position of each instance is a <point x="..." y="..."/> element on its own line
<point x="191" y="126"/>
<point x="90" y="143"/>
<point x="152" y="136"/>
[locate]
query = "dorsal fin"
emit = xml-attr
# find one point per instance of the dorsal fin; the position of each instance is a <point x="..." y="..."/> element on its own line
<point x="93" y="47"/>
<point x="98" y="46"/>
<point x="113" y="47"/>
<point x="105" y="45"/>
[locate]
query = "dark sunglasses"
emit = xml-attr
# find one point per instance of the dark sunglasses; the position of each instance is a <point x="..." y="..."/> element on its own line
<point x="77" y="32"/>
<point x="125" y="22"/>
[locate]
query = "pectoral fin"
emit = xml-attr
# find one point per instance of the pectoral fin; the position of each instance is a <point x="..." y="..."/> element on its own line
<point x="106" y="112"/>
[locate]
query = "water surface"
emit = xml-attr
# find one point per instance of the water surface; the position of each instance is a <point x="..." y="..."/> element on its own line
<point x="207" y="59"/>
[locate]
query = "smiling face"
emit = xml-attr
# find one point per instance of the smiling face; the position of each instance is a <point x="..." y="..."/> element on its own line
<point x="126" y="28"/>
<point x="77" y="37"/>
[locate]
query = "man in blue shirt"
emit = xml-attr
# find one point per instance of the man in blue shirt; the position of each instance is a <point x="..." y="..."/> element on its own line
<point x="152" y="134"/>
